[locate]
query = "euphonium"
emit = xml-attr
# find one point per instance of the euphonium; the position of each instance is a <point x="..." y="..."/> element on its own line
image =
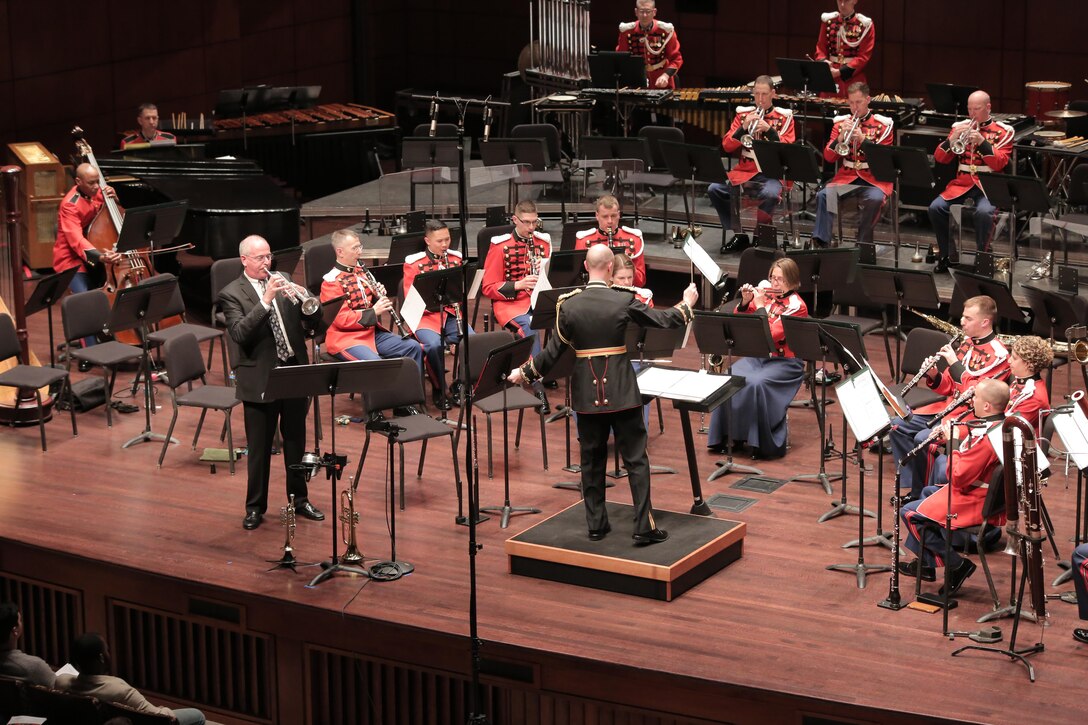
<point x="1023" y="507"/>
<point x="349" y="519"/>
<point x="842" y="148"/>
<point x="747" y="139"/>
<point x="960" y="144"/>
<point x="298" y="294"/>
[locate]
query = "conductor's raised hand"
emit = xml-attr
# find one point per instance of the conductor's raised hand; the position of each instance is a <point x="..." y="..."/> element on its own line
<point x="691" y="295"/>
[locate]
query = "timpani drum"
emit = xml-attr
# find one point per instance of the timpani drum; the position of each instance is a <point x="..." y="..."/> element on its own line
<point x="1043" y="96"/>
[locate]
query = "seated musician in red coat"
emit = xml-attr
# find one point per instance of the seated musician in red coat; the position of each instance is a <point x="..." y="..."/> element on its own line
<point x="620" y="239"/>
<point x="147" y="118"/>
<point x="973" y="463"/>
<point x="77" y="210"/>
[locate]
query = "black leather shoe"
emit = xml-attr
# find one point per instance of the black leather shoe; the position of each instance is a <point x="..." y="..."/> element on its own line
<point x="910" y="568"/>
<point x="251" y="521"/>
<point x="942" y="266"/>
<point x="307" y="511"/>
<point x="1081" y="635"/>
<point x="441" y="401"/>
<point x="405" y="411"/>
<point x="123" y="407"/>
<point x="931" y="256"/>
<point x="84" y="366"/>
<point x="959" y="575"/>
<point x="544" y="407"/>
<point x="818" y="243"/>
<point x="598" y="534"/>
<point x="653" y="536"/>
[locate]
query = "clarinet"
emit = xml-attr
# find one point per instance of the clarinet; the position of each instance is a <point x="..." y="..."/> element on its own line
<point x="963" y="397"/>
<point x="927" y="365"/>
<point x="456" y="305"/>
<point x="405" y="333"/>
<point x="933" y="435"/>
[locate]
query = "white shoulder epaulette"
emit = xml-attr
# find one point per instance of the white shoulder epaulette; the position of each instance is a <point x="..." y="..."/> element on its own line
<point x="784" y="111"/>
<point x="454" y="253"/>
<point x="865" y="20"/>
<point x="544" y="236"/>
<point x="827" y="17"/>
<point x="627" y="27"/>
<point x="413" y="258"/>
<point x="886" y="120"/>
<point x="633" y="230"/>
<point x="667" y="27"/>
<point x="837" y="119"/>
<point x="331" y="275"/>
<point x="745" y="109"/>
<point x="584" y="233"/>
<point x="501" y="238"/>
<point x="964" y="122"/>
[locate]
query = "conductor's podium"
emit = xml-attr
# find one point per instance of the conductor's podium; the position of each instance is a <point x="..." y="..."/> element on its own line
<point x="559" y="549"/>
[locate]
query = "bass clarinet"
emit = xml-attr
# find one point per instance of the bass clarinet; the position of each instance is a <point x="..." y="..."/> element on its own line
<point x="1023" y="507"/>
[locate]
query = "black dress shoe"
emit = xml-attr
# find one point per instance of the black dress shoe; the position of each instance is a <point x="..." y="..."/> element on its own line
<point x="122" y="407"/>
<point x="818" y="243"/>
<point x="959" y="575"/>
<point x="84" y="366"/>
<point x="942" y="266"/>
<point x="405" y="411"/>
<point x="653" y="536"/>
<point x="544" y="407"/>
<point x="910" y="568"/>
<point x="307" y="511"/>
<point x="598" y="534"/>
<point x="441" y="401"/>
<point x="931" y="256"/>
<point x="1081" y="635"/>
<point x="251" y="521"/>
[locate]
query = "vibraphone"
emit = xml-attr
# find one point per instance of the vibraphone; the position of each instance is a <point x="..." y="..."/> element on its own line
<point x="351" y="115"/>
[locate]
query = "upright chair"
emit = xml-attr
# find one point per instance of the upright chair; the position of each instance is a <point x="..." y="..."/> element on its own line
<point x="553" y="171"/>
<point x="61" y="708"/>
<point x="408" y="391"/>
<point x="657" y="176"/>
<point x="202" y="333"/>
<point x="86" y="314"/>
<point x="184" y="364"/>
<point x="921" y="343"/>
<point x="30" y="377"/>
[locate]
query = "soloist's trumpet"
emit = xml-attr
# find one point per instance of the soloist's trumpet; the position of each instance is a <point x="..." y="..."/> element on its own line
<point x="747" y="139"/>
<point x="349" y="519"/>
<point x="842" y="148"/>
<point x="298" y="294"/>
<point x="960" y="144"/>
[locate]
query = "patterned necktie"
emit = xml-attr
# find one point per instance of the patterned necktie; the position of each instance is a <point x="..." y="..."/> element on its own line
<point x="283" y="352"/>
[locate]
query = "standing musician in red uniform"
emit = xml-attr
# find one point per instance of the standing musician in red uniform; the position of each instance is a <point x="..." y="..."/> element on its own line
<point x="627" y="240"/>
<point x="764" y="122"/>
<point x="436" y="329"/>
<point x="511" y="271"/>
<point x="978" y="144"/>
<point x="980" y="355"/>
<point x="846" y="43"/>
<point x="655" y="42"/>
<point x="973" y="463"/>
<point x="847" y="136"/>
<point x="78" y="209"/>
<point x="356" y="333"/>
<point x="147" y="117"/>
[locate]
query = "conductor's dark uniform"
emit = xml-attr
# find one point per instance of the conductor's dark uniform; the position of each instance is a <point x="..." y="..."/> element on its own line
<point x="593" y="321"/>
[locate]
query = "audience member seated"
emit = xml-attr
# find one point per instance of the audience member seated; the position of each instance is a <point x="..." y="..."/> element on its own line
<point x="14" y="662"/>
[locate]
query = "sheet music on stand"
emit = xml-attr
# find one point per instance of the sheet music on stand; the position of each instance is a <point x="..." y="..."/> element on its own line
<point x="702" y="261"/>
<point x="542" y="282"/>
<point x="1072" y="426"/>
<point x="863" y="405"/>
<point x="692" y="386"/>
<point x="995" y="436"/>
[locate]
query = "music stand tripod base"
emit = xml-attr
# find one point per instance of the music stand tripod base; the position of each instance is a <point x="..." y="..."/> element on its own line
<point x="730" y="466"/>
<point x="860" y="569"/>
<point x="506" y="511"/>
<point x="331" y="569"/>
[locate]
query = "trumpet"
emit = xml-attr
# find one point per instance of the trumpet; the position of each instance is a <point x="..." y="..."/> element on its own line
<point x="747" y="139"/>
<point x="959" y="146"/>
<point x="349" y="519"/>
<point x="379" y="290"/>
<point x="299" y="295"/>
<point x="842" y="148"/>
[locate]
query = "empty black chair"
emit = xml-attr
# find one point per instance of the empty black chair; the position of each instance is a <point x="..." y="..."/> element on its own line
<point x="553" y="171"/>
<point x="61" y="708"/>
<point x="921" y="343"/>
<point x="203" y="334"/>
<point x="30" y="377"/>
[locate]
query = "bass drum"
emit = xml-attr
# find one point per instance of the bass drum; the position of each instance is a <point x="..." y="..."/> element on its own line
<point x="1043" y="96"/>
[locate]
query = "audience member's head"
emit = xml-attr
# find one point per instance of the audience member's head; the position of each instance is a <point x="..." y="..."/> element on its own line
<point x="90" y="654"/>
<point x="9" y="624"/>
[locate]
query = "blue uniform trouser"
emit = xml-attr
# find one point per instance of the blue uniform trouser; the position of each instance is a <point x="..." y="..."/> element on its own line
<point x="872" y="199"/>
<point x="767" y="191"/>
<point x="984" y="214"/>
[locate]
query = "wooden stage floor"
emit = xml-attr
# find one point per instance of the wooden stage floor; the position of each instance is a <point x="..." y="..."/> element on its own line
<point x="772" y="633"/>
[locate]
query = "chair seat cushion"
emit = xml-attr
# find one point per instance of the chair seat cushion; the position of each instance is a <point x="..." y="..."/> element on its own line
<point x="31" y="377"/>
<point x="865" y="324"/>
<point x="200" y="332"/>
<point x="419" y="427"/>
<point x="516" y="399"/>
<point x="219" y="397"/>
<point x="921" y="396"/>
<point x="107" y="354"/>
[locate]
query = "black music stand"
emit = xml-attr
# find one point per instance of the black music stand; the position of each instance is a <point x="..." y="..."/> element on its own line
<point x="47" y="290"/>
<point x="442" y="288"/>
<point x="659" y="343"/>
<point x="611" y="151"/>
<point x="810" y="77"/>
<point x="825" y="268"/>
<point x="566" y="269"/>
<point x="804" y="336"/>
<point x="790" y="162"/>
<point x="492" y="380"/>
<point x="972" y="285"/>
<point x="569" y="239"/>
<point x="427" y="157"/>
<point x="613" y="69"/>
<point x="729" y="335"/>
<point x="515" y="152"/>
<point x="138" y="308"/>
<point x="693" y="163"/>
<point x="904" y="288"/>
<point x="949" y="98"/>
<point x="902" y="166"/>
<point x="360" y="376"/>
<point x="151" y="226"/>
<point x="1015" y="194"/>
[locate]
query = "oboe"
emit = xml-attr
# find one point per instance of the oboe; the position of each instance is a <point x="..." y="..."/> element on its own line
<point x="373" y="283"/>
<point x="933" y="435"/>
<point x="956" y="402"/>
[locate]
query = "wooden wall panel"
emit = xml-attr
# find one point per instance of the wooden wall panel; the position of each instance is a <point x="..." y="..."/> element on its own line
<point x="5" y="55"/>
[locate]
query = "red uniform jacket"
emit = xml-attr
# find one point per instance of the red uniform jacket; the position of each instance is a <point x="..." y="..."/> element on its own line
<point x="426" y="262"/>
<point x="356" y="321"/>
<point x="985" y="358"/>
<point x="847" y="44"/>
<point x="659" y="48"/>
<point x="789" y="304"/>
<point x="970" y="468"/>
<point x="782" y="129"/>
<point x="626" y="239"/>
<point x="137" y="141"/>
<point x="874" y="128"/>
<point x="76" y="214"/>
<point x="507" y="262"/>
<point x="1027" y="398"/>
<point x="991" y="155"/>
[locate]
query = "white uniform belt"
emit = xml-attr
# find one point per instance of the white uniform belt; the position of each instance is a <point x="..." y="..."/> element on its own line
<point x="851" y="165"/>
<point x="973" y="169"/>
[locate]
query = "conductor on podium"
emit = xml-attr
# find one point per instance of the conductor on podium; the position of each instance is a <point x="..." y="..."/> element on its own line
<point x="593" y="321"/>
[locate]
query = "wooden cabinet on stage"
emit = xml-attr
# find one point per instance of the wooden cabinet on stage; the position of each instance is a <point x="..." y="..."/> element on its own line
<point x="40" y="193"/>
